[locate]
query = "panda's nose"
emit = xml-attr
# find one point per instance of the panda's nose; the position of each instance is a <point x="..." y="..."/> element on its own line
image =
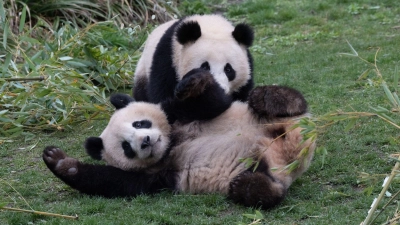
<point x="145" y="142"/>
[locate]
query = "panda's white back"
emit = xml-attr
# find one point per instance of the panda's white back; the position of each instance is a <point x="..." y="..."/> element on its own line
<point x="143" y="66"/>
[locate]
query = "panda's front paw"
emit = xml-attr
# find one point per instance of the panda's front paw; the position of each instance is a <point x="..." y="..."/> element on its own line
<point x="277" y="101"/>
<point x="59" y="163"/>
<point x="193" y="84"/>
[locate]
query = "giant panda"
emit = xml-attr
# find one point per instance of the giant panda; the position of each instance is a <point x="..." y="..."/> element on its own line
<point x="199" y="41"/>
<point x="145" y="154"/>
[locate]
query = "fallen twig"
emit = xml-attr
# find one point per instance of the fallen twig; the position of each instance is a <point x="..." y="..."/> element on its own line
<point x="40" y="213"/>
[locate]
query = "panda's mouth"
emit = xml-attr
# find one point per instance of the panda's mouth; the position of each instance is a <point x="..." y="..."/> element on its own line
<point x="149" y="150"/>
<point x="152" y="150"/>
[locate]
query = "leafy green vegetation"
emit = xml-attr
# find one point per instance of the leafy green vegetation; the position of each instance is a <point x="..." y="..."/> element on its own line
<point x="302" y="44"/>
<point x="70" y="70"/>
<point x="81" y="12"/>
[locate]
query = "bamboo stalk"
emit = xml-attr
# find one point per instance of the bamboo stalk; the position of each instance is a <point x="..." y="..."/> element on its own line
<point x="386" y="185"/>
<point x="40" y="213"/>
<point x="26" y="79"/>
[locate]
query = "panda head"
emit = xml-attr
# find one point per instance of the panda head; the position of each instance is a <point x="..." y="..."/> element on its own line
<point x="213" y="43"/>
<point x="137" y="135"/>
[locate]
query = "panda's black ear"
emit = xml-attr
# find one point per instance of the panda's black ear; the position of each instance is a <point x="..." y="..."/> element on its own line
<point x="121" y="100"/>
<point x="188" y="32"/>
<point x="243" y="34"/>
<point x="94" y="146"/>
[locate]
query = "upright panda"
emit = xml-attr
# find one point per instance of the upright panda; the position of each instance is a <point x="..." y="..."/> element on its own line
<point x="145" y="155"/>
<point x="200" y="41"/>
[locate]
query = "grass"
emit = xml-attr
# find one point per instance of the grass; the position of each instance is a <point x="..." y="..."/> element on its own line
<point x="298" y="43"/>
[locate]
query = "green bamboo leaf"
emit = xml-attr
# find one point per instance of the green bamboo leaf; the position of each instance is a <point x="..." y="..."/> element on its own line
<point x="351" y="124"/>
<point x="14" y="131"/>
<point x="65" y="58"/>
<point x="2" y="12"/>
<point x="387" y="117"/>
<point x="389" y="94"/>
<point x="396" y="97"/>
<point x="6" y="63"/>
<point x="259" y="215"/>
<point x="255" y="216"/>
<point x="5" y="120"/>
<point x="22" y="19"/>
<point x="75" y="64"/>
<point x="36" y="55"/>
<point x="43" y="93"/>
<point x="256" y="166"/>
<point x="396" y="79"/>
<point x="352" y="49"/>
<point x="379" y="109"/>
<point x="322" y="151"/>
<point x="363" y="75"/>
<point x="247" y="162"/>
<point x="30" y="40"/>
<point x="292" y="166"/>
<point x="5" y="34"/>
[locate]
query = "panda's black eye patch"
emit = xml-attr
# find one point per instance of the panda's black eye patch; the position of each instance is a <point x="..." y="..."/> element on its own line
<point x="128" y="151"/>
<point x="229" y="72"/>
<point x="205" y="66"/>
<point x="143" y="124"/>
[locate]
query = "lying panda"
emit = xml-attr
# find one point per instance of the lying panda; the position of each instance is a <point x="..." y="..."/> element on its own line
<point x="144" y="154"/>
<point x="200" y="41"/>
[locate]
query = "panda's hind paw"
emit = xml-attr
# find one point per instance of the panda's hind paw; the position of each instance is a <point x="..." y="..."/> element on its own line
<point x="256" y="189"/>
<point x="193" y="84"/>
<point x="277" y="101"/>
<point x="58" y="162"/>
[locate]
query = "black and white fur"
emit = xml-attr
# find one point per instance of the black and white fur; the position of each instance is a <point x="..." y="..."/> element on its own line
<point x="200" y="41"/>
<point x="145" y="155"/>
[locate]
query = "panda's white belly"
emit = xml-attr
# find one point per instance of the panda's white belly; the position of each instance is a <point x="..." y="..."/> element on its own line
<point x="212" y="163"/>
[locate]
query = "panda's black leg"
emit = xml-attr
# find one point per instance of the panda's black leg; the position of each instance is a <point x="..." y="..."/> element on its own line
<point x="256" y="189"/>
<point x="277" y="101"/>
<point x="103" y="180"/>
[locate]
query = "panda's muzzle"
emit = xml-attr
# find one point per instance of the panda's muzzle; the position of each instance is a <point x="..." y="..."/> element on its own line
<point x="145" y="142"/>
